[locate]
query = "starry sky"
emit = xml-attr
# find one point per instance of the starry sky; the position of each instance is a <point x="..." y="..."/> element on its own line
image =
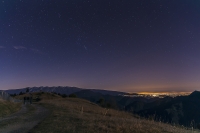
<point x="122" y="45"/>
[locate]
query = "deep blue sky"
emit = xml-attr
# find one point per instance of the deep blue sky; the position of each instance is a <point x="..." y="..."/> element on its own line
<point x="124" y="45"/>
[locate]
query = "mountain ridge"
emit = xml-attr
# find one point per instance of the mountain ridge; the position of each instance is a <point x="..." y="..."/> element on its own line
<point x="63" y="90"/>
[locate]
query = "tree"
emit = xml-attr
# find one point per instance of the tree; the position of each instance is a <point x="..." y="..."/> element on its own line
<point x="101" y="101"/>
<point x="64" y="95"/>
<point x="21" y="93"/>
<point x="72" y="95"/>
<point x="27" y="89"/>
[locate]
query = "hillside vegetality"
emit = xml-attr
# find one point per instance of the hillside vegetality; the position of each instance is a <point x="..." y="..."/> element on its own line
<point x="181" y="110"/>
<point x="7" y="108"/>
<point x="58" y="114"/>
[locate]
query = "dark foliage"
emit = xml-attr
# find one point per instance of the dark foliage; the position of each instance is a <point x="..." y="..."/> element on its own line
<point x="27" y="90"/>
<point x="21" y="93"/>
<point x="64" y="95"/>
<point x="73" y="95"/>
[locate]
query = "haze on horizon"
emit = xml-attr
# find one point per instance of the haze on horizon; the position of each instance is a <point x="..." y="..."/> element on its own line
<point x="122" y="45"/>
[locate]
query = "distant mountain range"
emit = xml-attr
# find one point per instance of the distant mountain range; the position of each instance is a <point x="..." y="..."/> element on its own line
<point x="63" y="90"/>
<point x="182" y="110"/>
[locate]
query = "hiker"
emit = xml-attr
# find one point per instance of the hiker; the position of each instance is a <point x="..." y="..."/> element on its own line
<point x="24" y="100"/>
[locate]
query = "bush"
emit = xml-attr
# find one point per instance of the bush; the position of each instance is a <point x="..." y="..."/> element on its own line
<point x="13" y="95"/>
<point x="101" y="101"/>
<point x="64" y="95"/>
<point x="198" y="125"/>
<point x="72" y="95"/>
<point x="27" y="90"/>
<point x="21" y="93"/>
<point x="37" y="99"/>
<point x="108" y="105"/>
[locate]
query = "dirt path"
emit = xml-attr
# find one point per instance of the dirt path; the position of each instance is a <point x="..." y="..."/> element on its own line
<point x="24" y="120"/>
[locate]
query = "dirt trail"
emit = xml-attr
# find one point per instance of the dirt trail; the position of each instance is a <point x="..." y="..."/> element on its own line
<point x="24" y="120"/>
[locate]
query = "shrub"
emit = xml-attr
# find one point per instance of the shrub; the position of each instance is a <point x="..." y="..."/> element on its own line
<point x="72" y="95"/>
<point x="37" y="99"/>
<point x="21" y="93"/>
<point x="27" y="89"/>
<point x="101" y="101"/>
<point x="64" y="95"/>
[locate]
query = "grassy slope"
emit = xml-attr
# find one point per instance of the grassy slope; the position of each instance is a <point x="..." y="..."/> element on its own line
<point x="7" y="107"/>
<point x="70" y="115"/>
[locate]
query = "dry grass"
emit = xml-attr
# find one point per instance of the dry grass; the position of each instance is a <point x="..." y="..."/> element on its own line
<point x="7" y="108"/>
<point x="73" y="115"/>
<point x="42" y="95"/>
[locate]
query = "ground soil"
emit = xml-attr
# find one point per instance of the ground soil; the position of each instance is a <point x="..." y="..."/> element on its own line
<point x="22" y="121"/>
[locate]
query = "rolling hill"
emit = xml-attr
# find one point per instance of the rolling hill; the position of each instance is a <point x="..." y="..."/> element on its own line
<point x="79" y="115"/>
<point x="181" y="110"/>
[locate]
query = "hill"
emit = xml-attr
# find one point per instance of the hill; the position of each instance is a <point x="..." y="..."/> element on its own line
<point x="181" y="110"/>
<point x="79" y="115"/>
<point x="7" y="108"/>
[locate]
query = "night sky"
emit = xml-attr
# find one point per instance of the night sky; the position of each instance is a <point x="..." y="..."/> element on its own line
<point x="123" y="45"/>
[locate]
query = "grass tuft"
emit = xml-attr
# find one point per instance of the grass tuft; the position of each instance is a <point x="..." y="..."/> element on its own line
<point x="7" y="108"/>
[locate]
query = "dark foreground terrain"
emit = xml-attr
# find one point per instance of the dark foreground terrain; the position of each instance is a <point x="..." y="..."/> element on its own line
<point x="55" y="114"/>
<point x="180" y="110"/>
<point x="24" y="120"/>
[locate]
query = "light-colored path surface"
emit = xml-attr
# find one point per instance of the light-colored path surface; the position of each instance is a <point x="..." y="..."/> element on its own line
<point x="24" y="120"/>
